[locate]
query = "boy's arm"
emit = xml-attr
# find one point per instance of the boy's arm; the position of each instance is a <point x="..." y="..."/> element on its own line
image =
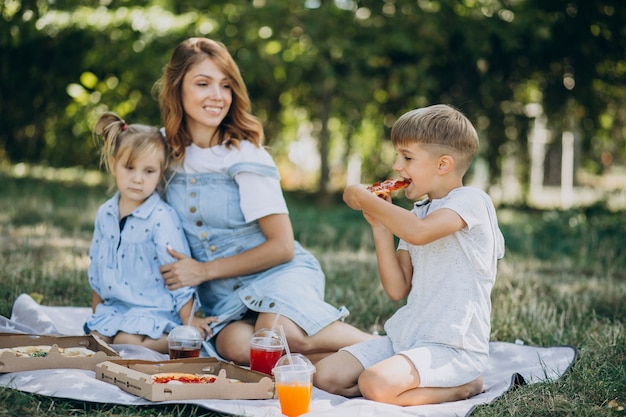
<point x="394" y="267"/>
<point x="400" y="221"/>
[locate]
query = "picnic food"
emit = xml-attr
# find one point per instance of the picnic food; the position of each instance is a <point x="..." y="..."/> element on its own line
<point x="41" y="351"/>
<point x="185" y="378"/>
<point x="382" y="189"/>
<point x="182" y="378"/>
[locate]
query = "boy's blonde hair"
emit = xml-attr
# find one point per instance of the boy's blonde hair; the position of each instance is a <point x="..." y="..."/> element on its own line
<point x="442" y="130"/>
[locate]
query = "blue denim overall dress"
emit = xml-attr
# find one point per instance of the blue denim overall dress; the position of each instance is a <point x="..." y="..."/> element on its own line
<point x="209" y="207"/>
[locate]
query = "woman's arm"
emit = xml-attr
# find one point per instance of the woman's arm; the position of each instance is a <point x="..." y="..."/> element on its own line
<point x="277" y="249"/>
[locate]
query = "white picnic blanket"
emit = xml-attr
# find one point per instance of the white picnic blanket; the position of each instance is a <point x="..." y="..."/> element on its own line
<point x="509" y="364"/>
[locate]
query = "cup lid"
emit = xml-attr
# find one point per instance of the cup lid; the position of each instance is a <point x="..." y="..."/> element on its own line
<point x="294" y="362"/>
<point x="184" y="333"/>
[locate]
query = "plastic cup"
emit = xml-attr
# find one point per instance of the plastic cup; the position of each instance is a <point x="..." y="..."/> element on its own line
<point x="184" y="342"/>
<point x="266" y="347"/>
<point x="294" y="384"/>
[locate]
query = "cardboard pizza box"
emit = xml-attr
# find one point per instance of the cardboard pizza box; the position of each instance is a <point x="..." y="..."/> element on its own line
<point x="11" y="362"/>
<point x="232" y="382"/>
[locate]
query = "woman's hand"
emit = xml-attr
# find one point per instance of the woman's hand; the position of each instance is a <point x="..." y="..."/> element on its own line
<point x="185" y="272"/>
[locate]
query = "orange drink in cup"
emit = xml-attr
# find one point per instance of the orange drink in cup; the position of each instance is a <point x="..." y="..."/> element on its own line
<point x="294" y="384"/>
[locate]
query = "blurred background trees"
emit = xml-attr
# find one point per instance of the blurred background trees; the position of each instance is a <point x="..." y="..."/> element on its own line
<point x="329" y="78"/>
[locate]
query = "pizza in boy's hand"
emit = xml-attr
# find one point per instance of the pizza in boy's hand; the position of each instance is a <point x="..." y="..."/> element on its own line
<point x="384" y="188"/>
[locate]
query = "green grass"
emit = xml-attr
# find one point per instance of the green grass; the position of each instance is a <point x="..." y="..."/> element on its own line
<point x="562" y="282"/>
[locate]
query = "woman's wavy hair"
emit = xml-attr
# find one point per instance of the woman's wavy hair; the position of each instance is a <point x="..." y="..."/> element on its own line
<point x="239" y="124"/>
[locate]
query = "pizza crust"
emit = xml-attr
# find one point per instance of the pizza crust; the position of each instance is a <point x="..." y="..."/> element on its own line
<point x="41" y="351"/>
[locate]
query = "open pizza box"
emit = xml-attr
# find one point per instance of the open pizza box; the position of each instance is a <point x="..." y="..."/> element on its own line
<point x="52" y="352"/>
<point x="230" y="382"/>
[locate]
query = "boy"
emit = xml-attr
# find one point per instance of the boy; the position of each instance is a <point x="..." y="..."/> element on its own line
<point x="436" y="346"/>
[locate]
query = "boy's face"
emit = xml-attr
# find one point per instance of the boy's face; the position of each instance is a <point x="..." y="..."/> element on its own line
<point x="414" y="162"/>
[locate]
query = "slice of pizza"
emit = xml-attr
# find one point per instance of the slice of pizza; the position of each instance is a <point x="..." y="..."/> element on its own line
<point x="182" y="378"/>
<point x="384" y="188"/>
<point x="42" y="351"/>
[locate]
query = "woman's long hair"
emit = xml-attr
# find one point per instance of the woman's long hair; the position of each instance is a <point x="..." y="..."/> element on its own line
<point x="239" y="124"/>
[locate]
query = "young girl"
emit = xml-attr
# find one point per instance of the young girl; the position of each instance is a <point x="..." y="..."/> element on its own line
<point x="132" y="233"/>
<point x="226" y="189"/>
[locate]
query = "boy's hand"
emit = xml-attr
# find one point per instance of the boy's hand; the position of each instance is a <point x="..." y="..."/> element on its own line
<point x="352" y="195"/>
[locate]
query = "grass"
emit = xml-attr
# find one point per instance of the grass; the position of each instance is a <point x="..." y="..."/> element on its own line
<point x="562" y="282"/>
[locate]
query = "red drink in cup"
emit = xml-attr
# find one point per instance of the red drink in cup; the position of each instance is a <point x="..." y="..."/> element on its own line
<point x="266" y="347"/>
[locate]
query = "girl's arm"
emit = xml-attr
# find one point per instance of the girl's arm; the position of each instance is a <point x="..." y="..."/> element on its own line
<point x="95" y="300"/>
<point x="278" y="248"/>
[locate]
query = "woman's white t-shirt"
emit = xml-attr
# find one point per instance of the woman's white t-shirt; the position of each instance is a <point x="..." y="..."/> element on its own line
<point x="260" y="195"/>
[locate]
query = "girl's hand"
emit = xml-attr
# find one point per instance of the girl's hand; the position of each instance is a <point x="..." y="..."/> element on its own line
<point x="185" y="272"/>
<point x="202" y="324"/>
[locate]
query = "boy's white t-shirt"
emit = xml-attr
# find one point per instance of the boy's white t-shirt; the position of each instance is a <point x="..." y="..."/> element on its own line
<point x="260" y="195"/>
<point x="449" y="302"/>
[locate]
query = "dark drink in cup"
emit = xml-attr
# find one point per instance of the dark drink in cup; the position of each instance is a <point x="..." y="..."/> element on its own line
<point x="183" y="353"/>
<point x="184" y="342"/>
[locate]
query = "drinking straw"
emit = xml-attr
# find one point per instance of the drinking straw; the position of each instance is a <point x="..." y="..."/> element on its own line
<point x="193" y="307"/>
<point x="282" y="336"/>
<point x="275" y="320"/>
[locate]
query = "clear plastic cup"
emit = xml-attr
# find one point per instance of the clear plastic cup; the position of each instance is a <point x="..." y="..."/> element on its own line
<point x="184" y="342"/>
<point x="294" y="384"/>
<point x="266" y="347"/>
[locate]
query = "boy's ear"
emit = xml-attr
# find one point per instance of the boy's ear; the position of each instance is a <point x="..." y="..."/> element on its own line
<point x="446" y="164"/>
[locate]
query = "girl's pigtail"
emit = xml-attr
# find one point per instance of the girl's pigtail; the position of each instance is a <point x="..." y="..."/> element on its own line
<point x="109" y="127"/>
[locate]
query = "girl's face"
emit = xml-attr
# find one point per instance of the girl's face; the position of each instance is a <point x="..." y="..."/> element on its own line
<point x="137" y="181"/>
<point x="420" y="166"/>
<point x="207" y="96"/>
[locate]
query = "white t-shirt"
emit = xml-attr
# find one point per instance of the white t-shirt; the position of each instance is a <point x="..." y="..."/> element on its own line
<point x="260" y="195"/>
<point x="449" y="302"/>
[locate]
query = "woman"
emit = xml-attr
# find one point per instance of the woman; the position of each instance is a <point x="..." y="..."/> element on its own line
<point x="226" y="189"/>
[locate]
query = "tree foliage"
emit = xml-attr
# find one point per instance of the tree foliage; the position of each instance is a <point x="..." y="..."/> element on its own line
<point x="347" y="67"/>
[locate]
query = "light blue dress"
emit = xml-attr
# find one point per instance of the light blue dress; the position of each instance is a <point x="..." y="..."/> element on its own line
<point x="209" y="207"/>
<point x="124" y="269"/>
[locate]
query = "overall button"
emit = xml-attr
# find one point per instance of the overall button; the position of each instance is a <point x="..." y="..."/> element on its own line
<point x="203" y="235"/>
<point x="212" y="247"/>
<point x="198" y="223"/>
<point x="192" y="180"/>
<point x="192" y="194"/>
<point x="236" y="286"/>
<point x="192" y="209"/>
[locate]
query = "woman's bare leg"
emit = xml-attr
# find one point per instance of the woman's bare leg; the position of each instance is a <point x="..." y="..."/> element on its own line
<point x="338" y="373"/>
<point x="232" y="341"/>
<point x="328" y="340"/>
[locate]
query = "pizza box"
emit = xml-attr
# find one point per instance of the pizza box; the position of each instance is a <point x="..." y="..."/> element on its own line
<point x="232" y="382"/>
<point x="11" y="362"/>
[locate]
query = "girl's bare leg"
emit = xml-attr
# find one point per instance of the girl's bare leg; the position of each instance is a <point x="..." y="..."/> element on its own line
<point x="160" y="345"/>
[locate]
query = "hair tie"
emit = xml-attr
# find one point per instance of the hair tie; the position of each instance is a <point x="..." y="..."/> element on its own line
<point x="124" y="126"/>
